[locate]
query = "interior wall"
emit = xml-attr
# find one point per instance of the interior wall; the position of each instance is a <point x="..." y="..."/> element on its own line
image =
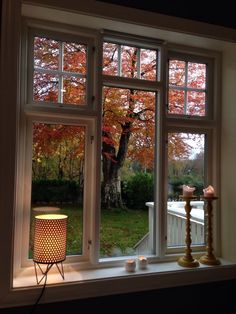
<point x="228" y="155"/>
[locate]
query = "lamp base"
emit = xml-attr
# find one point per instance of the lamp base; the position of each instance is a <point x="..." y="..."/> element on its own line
<point x="44" y="272"/>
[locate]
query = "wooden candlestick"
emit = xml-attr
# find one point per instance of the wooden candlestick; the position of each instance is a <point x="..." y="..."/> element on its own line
<point x="209" y="258"/>
<point x="187" y="260"/>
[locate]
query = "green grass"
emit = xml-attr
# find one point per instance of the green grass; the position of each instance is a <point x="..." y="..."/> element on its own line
<point x="120" y="231"/>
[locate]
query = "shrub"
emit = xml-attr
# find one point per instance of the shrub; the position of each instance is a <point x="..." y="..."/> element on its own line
<point x="138" y="190"/>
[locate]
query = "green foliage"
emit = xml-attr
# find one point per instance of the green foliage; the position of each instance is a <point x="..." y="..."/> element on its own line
<point x="138" y="190"/>
<point x="55" y="191"/>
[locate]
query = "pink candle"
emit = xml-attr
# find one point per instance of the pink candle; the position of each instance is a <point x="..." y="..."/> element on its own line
<point x="188" y="191"/>
<point x="209" y="191"/>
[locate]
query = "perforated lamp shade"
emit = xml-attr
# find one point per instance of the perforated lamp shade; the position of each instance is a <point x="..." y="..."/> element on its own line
<point x="50" y="238"/>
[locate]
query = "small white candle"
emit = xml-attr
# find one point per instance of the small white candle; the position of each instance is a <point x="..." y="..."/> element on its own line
<point x="209" y="191"/>
<point x="130" y="265"/>
<point x="142" y="262"/>
<point x="188" y="191"/>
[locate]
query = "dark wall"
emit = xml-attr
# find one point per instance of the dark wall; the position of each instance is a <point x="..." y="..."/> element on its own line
<point x="212" y="298"/>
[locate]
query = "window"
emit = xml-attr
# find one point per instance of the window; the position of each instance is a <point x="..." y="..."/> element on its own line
<point x="187" y="87"/>
<point x="129" y="117"/>
<point x="60" y="68"/>
<point x="111" y="148"/>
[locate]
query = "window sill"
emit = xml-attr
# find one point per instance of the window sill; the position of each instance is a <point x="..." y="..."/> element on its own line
<point x="114" y="280"/>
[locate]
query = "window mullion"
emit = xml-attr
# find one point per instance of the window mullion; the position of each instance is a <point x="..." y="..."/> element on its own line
<point x="60" y="87"/>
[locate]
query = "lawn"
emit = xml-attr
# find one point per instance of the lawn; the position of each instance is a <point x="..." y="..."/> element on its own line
<point x="120" y="230"/>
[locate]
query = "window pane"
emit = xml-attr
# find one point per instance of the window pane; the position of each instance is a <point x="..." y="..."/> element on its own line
<point x="187" y="98"/>
<point x="148" y="64"/>
<point x="46" y="53"/>
<point x="128" y="137"/>
<point x="176" y="72"/>
<point x="186" y="153"/>
<point x="74" y="90"/>
<point x="74" y="58"/>
<point x="129" y="61"/>
<point x="196" y="75"/>
<point x="58" y="155"/>
<point x="110" y="59"/>
<point x="129" y="57"/>
<point x="176" y="101"/>
<point x="46" y="87"/>
<point x="196" y="103"/>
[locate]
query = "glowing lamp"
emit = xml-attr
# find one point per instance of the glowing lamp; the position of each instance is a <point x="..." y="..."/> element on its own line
<point x="50" y="233"/>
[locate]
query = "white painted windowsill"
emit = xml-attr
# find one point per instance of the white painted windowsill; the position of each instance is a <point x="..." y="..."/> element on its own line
<point x="113" y="280"/>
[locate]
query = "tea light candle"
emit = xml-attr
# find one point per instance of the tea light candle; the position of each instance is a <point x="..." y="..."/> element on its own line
<point x="130" y="265"/>
<point x="142" y="262"/>
<point x="188" y="191"/>
<point x="209" y="191"/>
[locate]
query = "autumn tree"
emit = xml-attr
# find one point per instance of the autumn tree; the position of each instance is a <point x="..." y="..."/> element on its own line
<point x="128" y="114"/>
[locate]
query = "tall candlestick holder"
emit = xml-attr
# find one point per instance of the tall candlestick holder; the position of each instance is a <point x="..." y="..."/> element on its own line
<point x="209" y="258"/>
<point x="187" y="260"/>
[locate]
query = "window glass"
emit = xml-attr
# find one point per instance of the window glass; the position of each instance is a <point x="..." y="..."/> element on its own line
<point x="128" y="140"/>
<point x="59" y="72"/>
<point x="58" y="156"/>
<point x="129" y="61"/>
<point x="187" y="88"/>
<point x="186" y="154"/>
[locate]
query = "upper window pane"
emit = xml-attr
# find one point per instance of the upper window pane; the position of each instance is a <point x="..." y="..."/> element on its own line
<point x="60" y="71"/>
<point x="196" y="75"/>
<point x="176" y="72"/>
<point x="74" y="58"/>
<point x="129" y="61"/>
<point x="46" y="53"/>
<point x="187" y="88"/>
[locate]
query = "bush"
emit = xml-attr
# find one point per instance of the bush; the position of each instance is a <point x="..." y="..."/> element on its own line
<point x="138" y="190"/>
<point x="55" y="191"/>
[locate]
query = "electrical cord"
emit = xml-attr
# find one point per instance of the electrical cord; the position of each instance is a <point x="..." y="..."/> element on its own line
<point x="40" y="296"/>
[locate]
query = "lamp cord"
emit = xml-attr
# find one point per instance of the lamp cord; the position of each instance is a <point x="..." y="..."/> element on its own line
<point x="41" y="294"/>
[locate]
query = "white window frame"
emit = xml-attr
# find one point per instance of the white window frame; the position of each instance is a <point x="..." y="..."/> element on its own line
<point x="63" y="114"/>
<point x="206" y="124"/>
<point x="52" y="113"/>
<point x="155" y="86"/>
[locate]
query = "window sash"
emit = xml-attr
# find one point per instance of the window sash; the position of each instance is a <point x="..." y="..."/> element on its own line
<point x="90" y="66"/>
<point x="24" y="195"/>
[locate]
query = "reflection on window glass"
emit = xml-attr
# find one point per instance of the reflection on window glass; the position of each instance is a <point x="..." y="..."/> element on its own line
<point x="129" y="61"/>
<point x="186" y="153"/>
<point x="128" y="139"/>
<point x="59" y="72"/>
<point x="58" y="155"/>
<point x="187" y="88"/>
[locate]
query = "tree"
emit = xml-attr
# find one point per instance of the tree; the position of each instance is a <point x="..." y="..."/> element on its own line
<point x="128" y="126"/>
<point x="58" y="152"/>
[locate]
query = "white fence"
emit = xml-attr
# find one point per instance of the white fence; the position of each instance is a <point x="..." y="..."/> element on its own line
<point x="176" y="226"/>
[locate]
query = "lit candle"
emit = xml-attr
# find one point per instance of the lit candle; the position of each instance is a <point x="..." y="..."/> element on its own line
<point x="130" y="265"/>
<point x="188" y="191"/>
<point x="209" y="191"/>
<point x="142" y="262"/>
